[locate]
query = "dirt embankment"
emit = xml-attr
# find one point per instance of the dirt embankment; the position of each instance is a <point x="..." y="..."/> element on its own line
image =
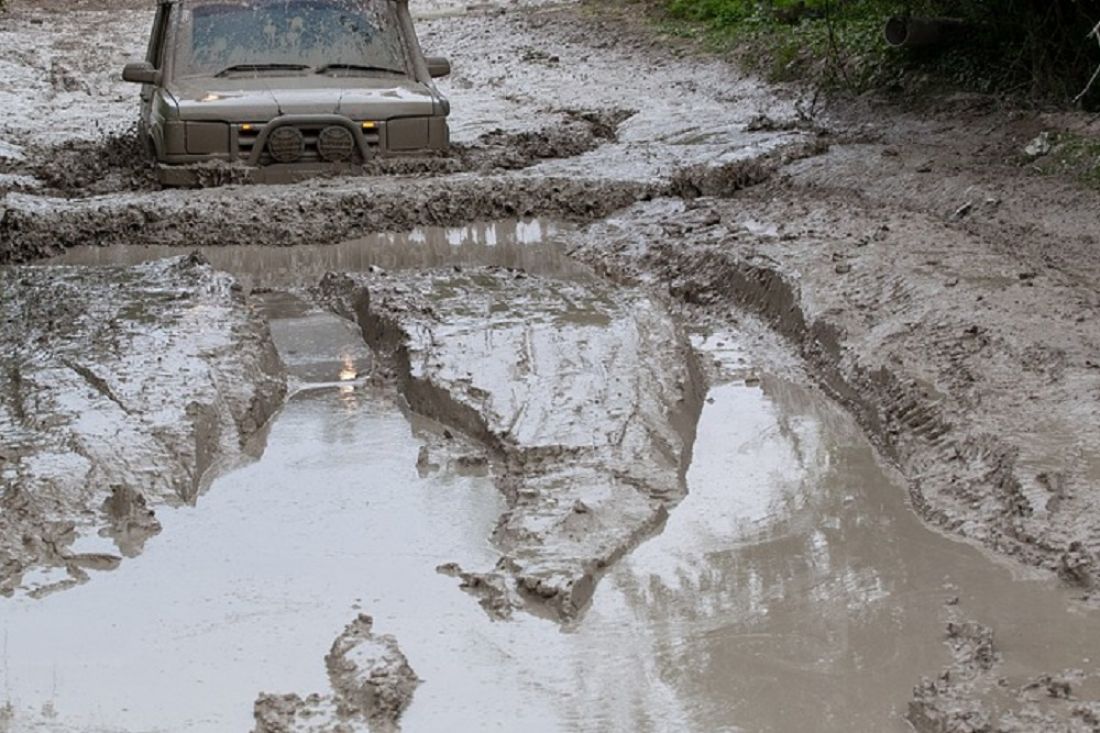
<point x="585" y="395"/>
<point x="120" y="390"/>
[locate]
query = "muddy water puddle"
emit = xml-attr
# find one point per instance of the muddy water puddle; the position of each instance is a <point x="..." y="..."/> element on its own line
<point x="533" y="245"/>
<point x="793" y="589"/>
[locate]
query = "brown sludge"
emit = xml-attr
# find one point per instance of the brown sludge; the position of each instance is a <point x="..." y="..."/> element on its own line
<point x="912" y="264"/>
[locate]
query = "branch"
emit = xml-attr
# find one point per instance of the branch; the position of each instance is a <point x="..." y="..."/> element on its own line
<point x="1094" y="32"/>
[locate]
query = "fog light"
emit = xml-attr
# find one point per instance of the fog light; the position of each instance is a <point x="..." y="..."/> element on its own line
<point x="286" y="144"/>
<point x="335" y="144"/>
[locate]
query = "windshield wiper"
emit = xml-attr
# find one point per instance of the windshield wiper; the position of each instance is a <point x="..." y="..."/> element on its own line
<point x="356" y="67"/>
<point x="261" y="67"/>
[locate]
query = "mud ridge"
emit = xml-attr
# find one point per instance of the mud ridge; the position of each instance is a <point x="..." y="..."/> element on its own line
<point x="34" y="227"/>
<point x="580" y="132"/>
<point x="586" y="396"/>
<point x="116" y="162"/>
<point x="119" y="397"/>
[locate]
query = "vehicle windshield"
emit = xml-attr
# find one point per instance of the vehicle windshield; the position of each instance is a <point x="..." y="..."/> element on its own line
<point x="253" y="36"/>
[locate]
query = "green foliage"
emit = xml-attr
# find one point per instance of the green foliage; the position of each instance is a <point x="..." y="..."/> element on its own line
<point x="1033" y="47"/>
<point x="1076" y="156"/>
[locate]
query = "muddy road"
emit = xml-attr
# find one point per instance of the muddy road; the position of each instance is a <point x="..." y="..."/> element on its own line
<point x="667" y="401"/>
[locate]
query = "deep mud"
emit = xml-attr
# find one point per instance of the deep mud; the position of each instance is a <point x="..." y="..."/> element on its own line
<point x="119" y="162"/>
<point x="581" y="156"/>
<point x="587" y="395"/>
<point x="123" y="388"/>
<point x="927" y="277"/>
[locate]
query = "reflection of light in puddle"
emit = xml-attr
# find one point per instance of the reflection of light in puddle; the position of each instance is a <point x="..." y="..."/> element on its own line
<point x="760" y="229"/>
<point x="348" y="371"/>
<point x="348" y="374"/>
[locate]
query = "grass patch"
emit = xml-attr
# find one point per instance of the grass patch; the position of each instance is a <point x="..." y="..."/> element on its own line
<point x="1035" y="48"/>
<point x="1074" y="156"/>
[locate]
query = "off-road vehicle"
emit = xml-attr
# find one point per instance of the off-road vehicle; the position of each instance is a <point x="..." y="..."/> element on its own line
<point x="286" y="88"/>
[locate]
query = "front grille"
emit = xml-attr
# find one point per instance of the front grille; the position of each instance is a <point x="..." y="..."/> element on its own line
<point x="247" y="139"/>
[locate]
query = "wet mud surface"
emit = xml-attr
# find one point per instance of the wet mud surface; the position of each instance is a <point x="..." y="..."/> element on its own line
<point x="973" y="694"/>
<point x="586" y="394"/>
<point x="792" y="559"/>
<point x="123" y="389"/>
<point x="563" y="369"/>
<point x="931" y="358"/>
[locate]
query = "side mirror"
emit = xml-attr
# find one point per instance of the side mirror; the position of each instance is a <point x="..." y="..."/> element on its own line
<point x="438" y="66"/>
<point x="141" y="73"/>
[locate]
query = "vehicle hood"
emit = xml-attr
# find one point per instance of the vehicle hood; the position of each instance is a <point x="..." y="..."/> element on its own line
<point x="261" y="98"/>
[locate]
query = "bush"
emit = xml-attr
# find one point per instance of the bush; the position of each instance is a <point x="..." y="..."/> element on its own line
<point x="1039" y="48"/>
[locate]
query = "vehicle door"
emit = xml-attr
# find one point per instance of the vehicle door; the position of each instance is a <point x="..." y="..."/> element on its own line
<point x="155" y="56"/>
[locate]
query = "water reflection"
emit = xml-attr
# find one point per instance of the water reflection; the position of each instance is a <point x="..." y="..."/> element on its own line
<point x="793" y="589"/>
<point x="531" y="244"/>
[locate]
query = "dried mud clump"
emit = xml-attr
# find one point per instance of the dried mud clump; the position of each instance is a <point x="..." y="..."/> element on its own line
<point x="120" y="388"/>
<point x="585" y="395"/>
<point x="372" y="685"/>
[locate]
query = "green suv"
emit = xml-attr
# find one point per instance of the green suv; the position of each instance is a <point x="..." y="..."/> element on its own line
<point x="287" y="88"/>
